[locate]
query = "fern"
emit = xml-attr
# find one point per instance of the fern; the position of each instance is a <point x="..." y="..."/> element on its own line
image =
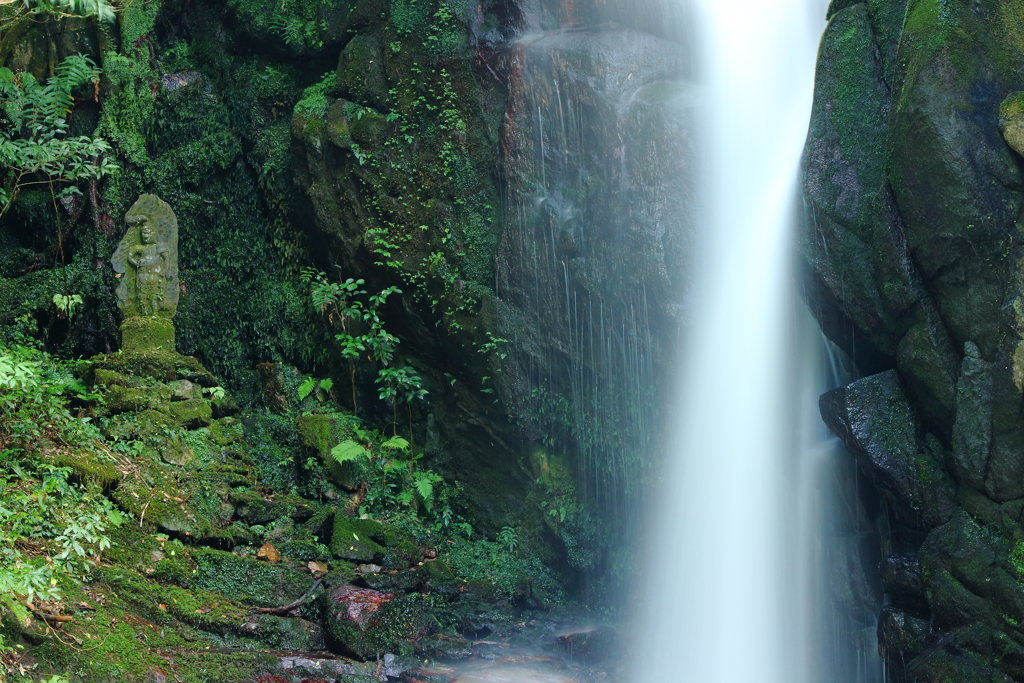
<point x="396" y="443"/>
<point x="347" y="450"/>
<point x="34" y="139"/>
<point x="306" y="387"/>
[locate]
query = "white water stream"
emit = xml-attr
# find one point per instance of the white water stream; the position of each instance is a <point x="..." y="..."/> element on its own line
<point x="728" y="596"/>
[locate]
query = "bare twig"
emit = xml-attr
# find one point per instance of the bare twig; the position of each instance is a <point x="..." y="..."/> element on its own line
<point x="290" y="606"/>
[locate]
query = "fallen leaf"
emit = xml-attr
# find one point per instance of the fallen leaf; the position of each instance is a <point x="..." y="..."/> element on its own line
<point x="316" y="569"/>
<point x="269" y="553"/>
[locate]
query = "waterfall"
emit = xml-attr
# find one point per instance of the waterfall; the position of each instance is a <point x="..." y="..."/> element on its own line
<point x="727" y="590"/>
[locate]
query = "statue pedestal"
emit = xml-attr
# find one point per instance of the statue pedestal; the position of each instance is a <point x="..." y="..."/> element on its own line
<point x="147" y="350"/>
<point x="140" y="333"/>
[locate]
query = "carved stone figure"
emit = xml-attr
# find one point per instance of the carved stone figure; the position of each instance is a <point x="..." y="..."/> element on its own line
<point x="148" y="259"/>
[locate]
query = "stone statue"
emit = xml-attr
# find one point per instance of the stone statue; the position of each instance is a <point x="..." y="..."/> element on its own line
<point x="147" y="257"/>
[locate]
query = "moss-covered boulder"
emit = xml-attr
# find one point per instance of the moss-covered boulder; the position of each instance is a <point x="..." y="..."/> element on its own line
<point x="353" y="539"/>
<point x="363" y="622"/>
<point x="147" y="334"/>
<point x="361" y="74"/>
<point x="165" y="366"/>
<point x="193" y="413"/>
<point x="320" y="433"/>
<point x="248" y="580"/>
<point x="254" y="508"/>
<point x="120" y="399"/>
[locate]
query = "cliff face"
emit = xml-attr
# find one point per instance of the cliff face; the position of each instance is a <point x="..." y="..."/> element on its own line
<point x="912" y="254"/>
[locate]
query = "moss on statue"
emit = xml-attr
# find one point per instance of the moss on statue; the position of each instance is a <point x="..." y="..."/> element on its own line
<point x="147" y="334"/>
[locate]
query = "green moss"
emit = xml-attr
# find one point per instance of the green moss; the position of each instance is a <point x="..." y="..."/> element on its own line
<point x="192" y="413"/>
<point x="304" y="550"/>
<point x="353" y="539"/>
<point x="147" y="334"/>
<point x="273" y="441"/>
<point x="97" y="468"/>
<point x="160" y="365"/>
<point x="254" y="508"/>
<point x="109" y="378"/>
<point x="389" y="629"/>
<point x="248" y="580"/>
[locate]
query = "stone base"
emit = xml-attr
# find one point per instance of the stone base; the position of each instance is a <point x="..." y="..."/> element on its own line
<point x="147" y="334"/>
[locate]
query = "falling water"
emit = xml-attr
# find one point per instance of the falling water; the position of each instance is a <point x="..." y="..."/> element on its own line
<point x="724" y="602"/>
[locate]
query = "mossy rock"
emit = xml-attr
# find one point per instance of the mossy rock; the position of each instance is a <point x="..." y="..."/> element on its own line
<point x="183" y="390"/>
<point x="192" y="413"/>
<point x="227" y="431"/>
<point x="302" y="550"/>
<point x="247" y="580"/>
<point x="337" y="125"/>
<point x="401" y="555"/>
<point x="280" y="386"/>
<point x="368" y="127"/>
<point x="224" y="406"/>
<point x="320" y="526"/>
<point x="188" y="503"/>
<point x="253" y="508"/>
<point x="361" y="74"/>
<point x="352" y="539"/>
<point x="393" y="581"/>
<point x="147" y="334"/>
<point x="109" y="378"/>
<point x="323" y="431"/>
<point x="440" y="578"/>
<point x="177" y="569"/>
<point x="147" y="423"/>
<point x="175" y="451"/>
<point x="382" y="627"/>
<point x="92" y="467"/>
<point x="290" y="634"/>
<point x="165" y="366"/>
<point x="122" y="399"/>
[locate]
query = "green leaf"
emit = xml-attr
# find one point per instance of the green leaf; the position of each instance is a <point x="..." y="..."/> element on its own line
<point x="347" y="450"/>
<point x="396" y="443"/>
<point x="306" y="387"/>
<point x="326" y="384"/>
<point x="425" y="487"/>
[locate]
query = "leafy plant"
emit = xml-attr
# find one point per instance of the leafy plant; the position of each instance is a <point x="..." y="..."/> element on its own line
<point x="348" y="450"/>
<point x="49" y="527"/>
<point x="34" y="144"/>
<point x="66" y="304"/>
<point x="297" y="22"/>
<point x="216" y="393"/>
<point x="322" y="387"/>
<point x="391" y="476"/>
<point x="508" y="538"/>
<point x="80" y="8"/>
<point x="315" y="99"/>
<point x="363" y="330"/>
<point x="400" y="384"/>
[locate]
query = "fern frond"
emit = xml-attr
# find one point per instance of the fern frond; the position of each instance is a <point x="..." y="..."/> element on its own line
<point x="347" y="450"/>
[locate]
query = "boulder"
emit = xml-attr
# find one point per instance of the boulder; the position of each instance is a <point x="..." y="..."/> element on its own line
<point x="880" y="427"/>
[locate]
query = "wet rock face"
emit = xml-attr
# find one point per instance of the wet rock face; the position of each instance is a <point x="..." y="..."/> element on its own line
<point x="912" y="257"/>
